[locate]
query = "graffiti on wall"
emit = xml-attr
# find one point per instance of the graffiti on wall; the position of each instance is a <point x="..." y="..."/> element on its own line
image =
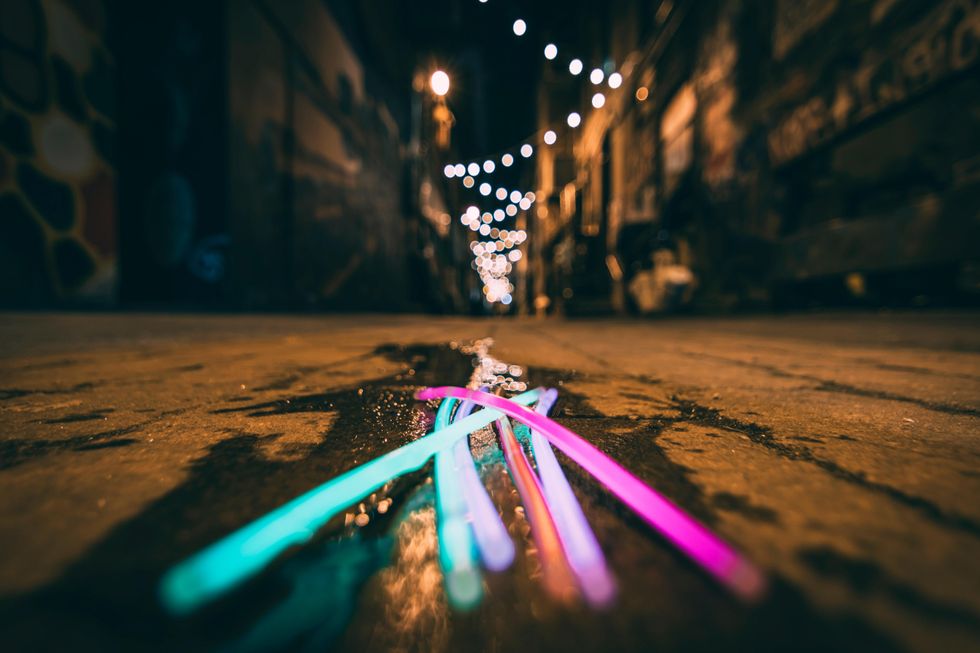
<point x="946" y="41"/>
<point x="57" y="181"/>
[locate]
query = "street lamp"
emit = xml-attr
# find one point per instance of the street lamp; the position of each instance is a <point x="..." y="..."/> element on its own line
<point x="439" y="83"/>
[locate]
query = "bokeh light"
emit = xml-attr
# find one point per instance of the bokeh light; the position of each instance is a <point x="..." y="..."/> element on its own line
<point x="573" y="120"/>
<point x="439" y="83"/>
<point x="598" y="100"/>
<point x="596" y="76"/>
<point x="520" y="27"/>
<point x="526" y="150"/>
<point x="550" y="51"/>
<point x="615" y="80"/>
<point x="575" y="66"/>
<point x="550" y="137"/>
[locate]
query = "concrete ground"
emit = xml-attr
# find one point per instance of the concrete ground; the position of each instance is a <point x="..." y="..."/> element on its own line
<point x="841" y="453"/>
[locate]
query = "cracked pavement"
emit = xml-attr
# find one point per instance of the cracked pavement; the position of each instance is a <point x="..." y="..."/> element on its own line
<point x="840" y="452"/>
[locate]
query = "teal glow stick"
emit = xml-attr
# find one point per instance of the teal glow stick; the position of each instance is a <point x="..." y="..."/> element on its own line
<point x="457" y="548"/>
<point x="242" y="554"/>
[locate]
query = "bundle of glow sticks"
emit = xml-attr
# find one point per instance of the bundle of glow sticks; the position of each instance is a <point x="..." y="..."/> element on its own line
<point x="469" y="526"/>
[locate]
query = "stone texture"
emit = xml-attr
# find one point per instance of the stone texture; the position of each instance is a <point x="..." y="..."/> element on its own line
<point x="837" y="451"/>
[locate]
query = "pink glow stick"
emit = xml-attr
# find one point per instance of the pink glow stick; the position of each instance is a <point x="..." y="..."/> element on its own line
<point x="700" y="544"/>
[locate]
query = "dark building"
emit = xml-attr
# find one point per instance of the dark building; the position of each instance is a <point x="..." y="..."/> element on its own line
<point x="785" y="153"/>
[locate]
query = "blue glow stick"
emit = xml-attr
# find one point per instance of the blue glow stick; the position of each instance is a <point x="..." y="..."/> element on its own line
<point x="492" y="538"/>
<point x="580" y="544"/>
<point x="457" y="548"/>
<point x="236" y="557"/>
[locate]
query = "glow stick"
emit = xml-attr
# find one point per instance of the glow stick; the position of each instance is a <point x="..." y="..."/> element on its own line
<point x="583" y="551"/>
<point x="554" y="567"/>
<point x="492" y="538"/>
<point x="457" y="549"/>
<point x="700" y="544"/>
<point x="224" y="564"/>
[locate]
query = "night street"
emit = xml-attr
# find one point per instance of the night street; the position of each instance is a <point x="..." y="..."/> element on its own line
<point x="489" y="326"/>
<point x="839" y="453"/>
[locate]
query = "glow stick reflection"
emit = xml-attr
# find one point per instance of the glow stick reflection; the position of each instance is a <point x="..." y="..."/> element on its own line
<point x="457" y="549"/>
<point x="492" y="538"/>
<point x="700" y="544"/>
<point x="583" y="551"/>
<point x="236" y="557"/>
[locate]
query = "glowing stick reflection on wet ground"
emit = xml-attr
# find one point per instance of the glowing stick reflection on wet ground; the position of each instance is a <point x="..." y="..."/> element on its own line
<point x="217" y="568"/>
<point x="554" y="567"/>
<point x="583" y="551"/>
<point x="700" y="544"/>
<point x="496" y="547"/>
<point x="457" y="548"/>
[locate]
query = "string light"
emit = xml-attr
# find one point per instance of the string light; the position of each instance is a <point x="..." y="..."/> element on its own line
<point x="449" y="171"/>
<point x="520" y="27"/>
<point x="488" y="166"/>
<point x="550" y="137"/>
<point x="575" y="66"/>
<point x="573" y="119"/>
<point x="507" y="160"/>
<point x="501" y="194"/>
<point x="598" y="100"/>
<point x="550" y="51"/>
<point x="596" y="76"/>
<point x="473" y="169"/>
<point x="515" y="196"/>
<point x="642" y="94"/>
<point x="485" y="189"/>
<point x="615" y="80"/>
<point x="526" y="150"/>
<point x="460" y="169"/>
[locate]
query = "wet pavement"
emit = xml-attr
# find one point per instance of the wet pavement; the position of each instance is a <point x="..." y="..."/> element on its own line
<point x="840" y="453"/>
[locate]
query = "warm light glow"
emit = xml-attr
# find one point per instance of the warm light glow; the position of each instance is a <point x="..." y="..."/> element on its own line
<point x="473" y="169"/>
<point x="526" y="150"/>
<point x="550" y="51"/>
<point x="499" y="215"/>
<point x="460" y="169"/>
<point x="524" y="203"/>
<point x="507" y="160"/>
<point x="449" y="171"/>
<point x="598" y="100"/>
<point x="468" y="181"/>
<point x="439" y="83"/>
<point x="573" y="120"/>
<point x="485" y="230"/>
<point x="575" y="66"/>
<point x="489" y="166"/>
<point x="515" y="196"/>
<point x="550" y="137"/>
<point x="642" y="94"/>
<point x="520" y="27"/>
<point x="511" y="210"/>
<point x="501" y="193"/>
<point x="485" y="189"/>
<point x="596" y="76"/>
<point x="615" y="80"/>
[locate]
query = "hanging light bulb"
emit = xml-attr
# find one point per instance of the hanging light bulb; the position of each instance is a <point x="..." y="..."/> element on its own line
<point x="439" y="83"/>
<point x="573" y="119"/>
<point x="615" y="80"/>
<point x="598" y="100"/>
<point x="526" y="150"/>
<point x="550" y="137"/>
<point x="550" y="51"/>
<point x="575" y="66"/>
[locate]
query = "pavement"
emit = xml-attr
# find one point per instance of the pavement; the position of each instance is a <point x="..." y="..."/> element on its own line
<point x="839" y="452"/>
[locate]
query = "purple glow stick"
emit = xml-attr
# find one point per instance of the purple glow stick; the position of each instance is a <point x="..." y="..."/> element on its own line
<point x="700" y="544"/>
<point x="581" y="547"/>
<point x="492" y="538"/>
